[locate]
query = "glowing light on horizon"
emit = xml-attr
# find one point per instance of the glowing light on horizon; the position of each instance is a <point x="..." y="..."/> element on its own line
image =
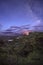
<point x="26" y="32"/>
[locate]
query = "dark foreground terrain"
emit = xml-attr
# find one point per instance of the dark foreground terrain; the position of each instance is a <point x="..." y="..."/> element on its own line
<point x="23" y="50"/>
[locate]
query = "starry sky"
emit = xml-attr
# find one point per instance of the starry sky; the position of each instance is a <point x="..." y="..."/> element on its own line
<point x="20" y="12"/>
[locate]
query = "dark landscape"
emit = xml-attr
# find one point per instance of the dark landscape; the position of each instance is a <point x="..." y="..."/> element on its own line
<point x="22" y="50"/>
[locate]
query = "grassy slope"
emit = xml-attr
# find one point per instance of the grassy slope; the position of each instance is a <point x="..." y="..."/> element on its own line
<point x="27" y="50"/>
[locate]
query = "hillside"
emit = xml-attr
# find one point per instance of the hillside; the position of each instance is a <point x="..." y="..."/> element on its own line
<point x="23" y="50"/>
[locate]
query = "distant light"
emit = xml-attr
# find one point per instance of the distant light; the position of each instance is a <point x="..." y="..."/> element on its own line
<point x="10" y="40"/>
<point x="26" y="32"/>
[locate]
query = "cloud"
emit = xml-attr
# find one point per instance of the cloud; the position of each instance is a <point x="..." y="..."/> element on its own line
<point x="1" y="27"/>
<point x="37" y="8"/>
<point x="12" y="29"/>
<point x="38" y="26"/>
<point x="37" y="22"/>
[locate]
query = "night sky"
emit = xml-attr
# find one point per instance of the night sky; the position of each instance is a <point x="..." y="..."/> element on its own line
<point x="20" y="12"/>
